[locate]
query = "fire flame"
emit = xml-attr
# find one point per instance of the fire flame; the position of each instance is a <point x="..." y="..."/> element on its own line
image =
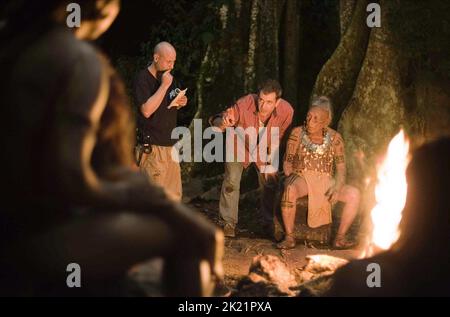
<point x="390" y="194"/>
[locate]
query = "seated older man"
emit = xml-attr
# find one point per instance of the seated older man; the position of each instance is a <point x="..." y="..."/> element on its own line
<point x="313" y="153"/>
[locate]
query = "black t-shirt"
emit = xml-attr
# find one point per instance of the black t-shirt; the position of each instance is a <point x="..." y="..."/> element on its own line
<point x="158" y="127"/>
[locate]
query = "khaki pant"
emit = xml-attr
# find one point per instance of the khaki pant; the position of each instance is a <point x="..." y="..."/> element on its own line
<point x="230" y="194"/>
<point x="162" y="170"/>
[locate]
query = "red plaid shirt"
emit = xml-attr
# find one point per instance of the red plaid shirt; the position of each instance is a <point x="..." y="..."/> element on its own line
<point x="245" y="115"/>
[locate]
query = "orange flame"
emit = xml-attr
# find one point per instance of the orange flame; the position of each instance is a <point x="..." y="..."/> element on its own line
<point x="390" y="194"/>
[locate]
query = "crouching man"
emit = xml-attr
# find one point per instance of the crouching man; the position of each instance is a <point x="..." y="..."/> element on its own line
<point x="264" y="112"/>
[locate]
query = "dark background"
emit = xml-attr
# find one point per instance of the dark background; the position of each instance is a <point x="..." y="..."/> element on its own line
<point x="379" y="79"/>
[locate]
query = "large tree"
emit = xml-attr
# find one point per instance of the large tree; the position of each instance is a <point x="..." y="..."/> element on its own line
<point x="337" y="79"/>
<point x="395" y="77"/>
<point x="387" y="78"/>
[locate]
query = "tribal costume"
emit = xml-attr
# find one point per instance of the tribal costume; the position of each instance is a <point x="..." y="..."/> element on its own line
<point x="314" y="163"/>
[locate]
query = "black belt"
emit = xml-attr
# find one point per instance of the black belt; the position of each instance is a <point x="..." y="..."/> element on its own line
<point x="143" y="149"/>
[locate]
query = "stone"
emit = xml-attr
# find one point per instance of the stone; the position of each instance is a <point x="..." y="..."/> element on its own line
<point x="316" y="276"/>
<point x="268" y="276"/>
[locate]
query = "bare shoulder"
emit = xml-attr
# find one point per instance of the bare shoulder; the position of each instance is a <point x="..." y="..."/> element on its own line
<point x="336" y="137"/>
<point x="295" y="133"/>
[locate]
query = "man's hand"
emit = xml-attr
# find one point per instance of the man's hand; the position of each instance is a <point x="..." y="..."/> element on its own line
<point x="166" y="79"/>
<point x="228" y="120"/>
<point x="182" y="101"/>
<point x="179" y="101"/>
<point x="287" y="168"/>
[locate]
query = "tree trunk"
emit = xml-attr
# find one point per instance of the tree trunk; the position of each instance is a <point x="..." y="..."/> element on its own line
<point x="375" y="111"/>
<point x="291" y="51"/>
<point x="346" y="11"/>
<point x="429" y="118"/>
<point x="199" y="86"/>
<point x="338" y="77"/>
<point x="250" y="67"/>
<point x="319" y="38"/>
<point x="267" y="53"/>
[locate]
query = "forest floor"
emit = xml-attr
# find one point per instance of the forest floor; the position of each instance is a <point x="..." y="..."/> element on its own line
<point x="203" y="197"/>
<point x="247" y="244"/>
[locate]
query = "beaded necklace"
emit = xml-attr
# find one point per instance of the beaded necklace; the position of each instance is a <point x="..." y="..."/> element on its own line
<point x="316" y="148"/>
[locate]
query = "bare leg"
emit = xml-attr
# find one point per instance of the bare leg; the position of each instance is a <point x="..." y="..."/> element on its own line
<point x="350" y="196"/>
<point x="268" y="183"/>
<point x="295" y="187"/>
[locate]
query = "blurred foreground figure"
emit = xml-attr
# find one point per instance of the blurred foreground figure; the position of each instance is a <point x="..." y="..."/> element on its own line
<point x="417" y="264"/>
<point x="71" y="195"/>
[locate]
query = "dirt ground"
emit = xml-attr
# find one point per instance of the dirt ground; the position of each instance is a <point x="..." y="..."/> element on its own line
<point x="240" y="251"/>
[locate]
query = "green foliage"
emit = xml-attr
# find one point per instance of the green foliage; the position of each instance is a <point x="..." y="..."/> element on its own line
<point x="190" y="27"/>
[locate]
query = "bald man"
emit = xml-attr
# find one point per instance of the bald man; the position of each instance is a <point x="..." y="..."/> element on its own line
<point x="154" y="91"/>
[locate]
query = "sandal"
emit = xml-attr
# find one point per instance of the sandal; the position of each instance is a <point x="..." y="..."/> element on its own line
<point x="287" y="243"/>
<point x="341" y="243"/>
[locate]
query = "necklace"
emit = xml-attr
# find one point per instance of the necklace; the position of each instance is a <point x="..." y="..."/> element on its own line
<point x="316" y="148"/>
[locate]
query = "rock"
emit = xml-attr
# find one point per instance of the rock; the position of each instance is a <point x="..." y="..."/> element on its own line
<point x="316" y="276"/>
<point x="316" y="287"/>
<point x="320" y="265"/>
<point x="268" y="276"/>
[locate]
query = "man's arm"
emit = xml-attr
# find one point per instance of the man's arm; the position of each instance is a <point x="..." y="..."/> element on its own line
<point x="339" y="159"/>
<point x="153" y="103"/>
<point x="227" y="118"/>
<point x="291" y="148"/>
<point x="218" y="121"/>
